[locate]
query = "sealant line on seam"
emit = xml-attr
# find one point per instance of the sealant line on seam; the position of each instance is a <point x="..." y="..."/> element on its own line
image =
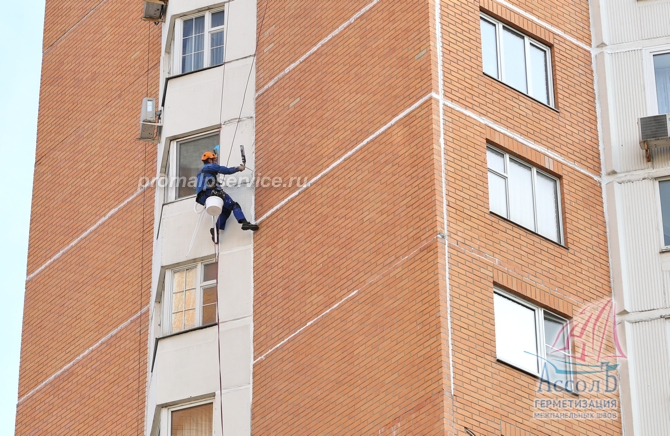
<point x="72" y="28"/>
<point x="349" y="153"/>
<point x="519" y="138"/>
<point x="343" y="300"/>
<point x="440" y="82"/>
<point x="96" y="345"/>
<point x="86" y="233"/>
<point x="316" y="47"/>
<point x="546" y="25"/>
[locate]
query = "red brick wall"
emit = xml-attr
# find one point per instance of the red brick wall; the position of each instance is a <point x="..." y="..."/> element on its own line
<point x="378" y="363"/>
<point x="375" y="364"/>
<point x="88" y="163"/>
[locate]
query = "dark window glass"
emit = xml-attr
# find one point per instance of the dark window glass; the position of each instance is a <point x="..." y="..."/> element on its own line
<point x="190" y="163"/>
<point x="665" y="209"/>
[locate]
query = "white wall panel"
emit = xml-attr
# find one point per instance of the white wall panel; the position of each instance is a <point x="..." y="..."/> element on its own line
<point x="644" y="281"/>
<point x="625" y="88"/>
<point x="649" y="363"/>
<point x="630" y="20"/>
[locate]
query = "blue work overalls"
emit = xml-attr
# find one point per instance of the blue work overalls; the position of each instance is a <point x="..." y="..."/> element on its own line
<point x="203" y="191"/>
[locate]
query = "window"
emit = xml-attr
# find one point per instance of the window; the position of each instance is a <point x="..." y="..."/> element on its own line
<point x="199" y="42"/>
<point x="531" y="338"/>
<point x="191" y="298"/>
<point x="664" y="190"/>
<point x="662" y="79"/>
<point x="524" y="194"/>
<point x="191" y="421"/>
<point x="188" y="163"/>
<point x="517" y="60"/>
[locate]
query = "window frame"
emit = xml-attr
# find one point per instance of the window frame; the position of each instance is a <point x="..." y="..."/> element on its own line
<point x="178" y="38"/>
<point x="534" y="171"/>
<point x="659" y="211"/>
<point x="539" y="313"/>
<point x="200" y="285"/>
<point x="172" y="165"/>
<point x="528" y="41"/>
<point x="188" y="405"/>
<point x="650" y="77"/>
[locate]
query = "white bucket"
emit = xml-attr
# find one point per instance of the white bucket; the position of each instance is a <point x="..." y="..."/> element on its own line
<point x="214" y="205"/>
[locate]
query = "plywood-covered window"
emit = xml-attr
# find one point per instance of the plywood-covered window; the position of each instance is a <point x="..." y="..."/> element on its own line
<point x="190" y="295"/>
<point x="192" y="421"/>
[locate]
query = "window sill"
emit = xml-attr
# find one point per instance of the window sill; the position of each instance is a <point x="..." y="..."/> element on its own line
<point x="523" y="93"/>
<point x="530" y="231"/>
<point x="153" y="359"/>
<point x="179" y="199"/>
<point x="665" y="250"/>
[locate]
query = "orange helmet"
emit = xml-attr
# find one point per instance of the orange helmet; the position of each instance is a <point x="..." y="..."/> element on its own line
<point x="208" y="155"/>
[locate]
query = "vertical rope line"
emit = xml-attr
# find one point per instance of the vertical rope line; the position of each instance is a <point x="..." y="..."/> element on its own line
<point x="251" y="69"/>
<point x="141" y="297"/>
<point x="218" y="321"/>
<point x="226" y="11"/>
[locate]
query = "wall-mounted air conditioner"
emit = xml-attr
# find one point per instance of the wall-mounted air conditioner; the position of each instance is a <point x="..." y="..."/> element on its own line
<point x="654" y="132"/>
<point x="154" y="10"/>
<point x="149" y="125"/>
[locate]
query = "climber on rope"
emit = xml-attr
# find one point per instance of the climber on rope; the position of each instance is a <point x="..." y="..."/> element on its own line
<point x="207" y="185"/>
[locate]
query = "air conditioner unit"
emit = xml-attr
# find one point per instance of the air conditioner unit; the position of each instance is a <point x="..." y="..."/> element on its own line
<point x="154" y="10"/>
<point x="655" y="131"/>
<point x="149" y="121"/>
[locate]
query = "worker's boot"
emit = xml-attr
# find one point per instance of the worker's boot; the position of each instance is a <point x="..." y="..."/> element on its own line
<point x="246" y="225"/>
<point x="214" y="235"/>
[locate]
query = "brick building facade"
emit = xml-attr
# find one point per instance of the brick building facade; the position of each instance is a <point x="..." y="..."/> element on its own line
<point x="83" y="356"/>
<point x="370" y="301"/>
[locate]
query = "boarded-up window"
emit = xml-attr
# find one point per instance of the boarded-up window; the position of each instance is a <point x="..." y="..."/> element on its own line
<point x="194" y="421"/>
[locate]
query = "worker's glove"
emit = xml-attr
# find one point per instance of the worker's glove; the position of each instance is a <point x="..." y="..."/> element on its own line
<point x="241" y="167"/>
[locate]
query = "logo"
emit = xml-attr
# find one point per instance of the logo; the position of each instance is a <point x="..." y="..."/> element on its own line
<point x="579" y="377"/>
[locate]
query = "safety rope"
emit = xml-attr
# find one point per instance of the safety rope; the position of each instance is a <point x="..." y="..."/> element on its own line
<point x="143" y="228"/>
<point x="251" y="69"/>
<point x="218" y="321"/>
<point x="223" y="74"/>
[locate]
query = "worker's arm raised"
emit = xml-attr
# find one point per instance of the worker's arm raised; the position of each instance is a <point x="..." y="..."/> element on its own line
<point x="225" y="170"/>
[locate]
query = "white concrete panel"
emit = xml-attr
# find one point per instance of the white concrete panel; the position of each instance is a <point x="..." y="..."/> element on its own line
<point x="236" y="76"/>
<point x="156" y="268"/>
<point x="152" y="411"/>
<point x="241" y="29"/>
<point x="179" y="224"/>
<point x="186" y="366"/>
<point x="236" y="340"/>
<point x="645" y="282"/>
<point x="626" y="104"/>
<point x="236" y="284"/>
<point x="179" y="8"/>
<point x="649" y="363"/>
<point x="237" y="412"/>
<point x="193" y="103"/>
<point x="629" y="20"/>
<point x="243" y="136"/>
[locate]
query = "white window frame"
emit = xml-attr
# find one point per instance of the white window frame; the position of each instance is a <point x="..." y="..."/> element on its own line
<point x="167" y="428"/>
<point x="534" y="172"/>
<point x="172" y="165"/>
<point x="179" y="32"/>
<point x="650" y="76"/>
<point x="200" y="284"/>
<point x="528" y="41"/>
<point x="659" y="211"/>
<point x="539" y="331"/>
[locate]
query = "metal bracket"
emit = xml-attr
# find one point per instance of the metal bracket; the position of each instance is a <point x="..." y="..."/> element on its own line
<point x="646" y="151"/>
